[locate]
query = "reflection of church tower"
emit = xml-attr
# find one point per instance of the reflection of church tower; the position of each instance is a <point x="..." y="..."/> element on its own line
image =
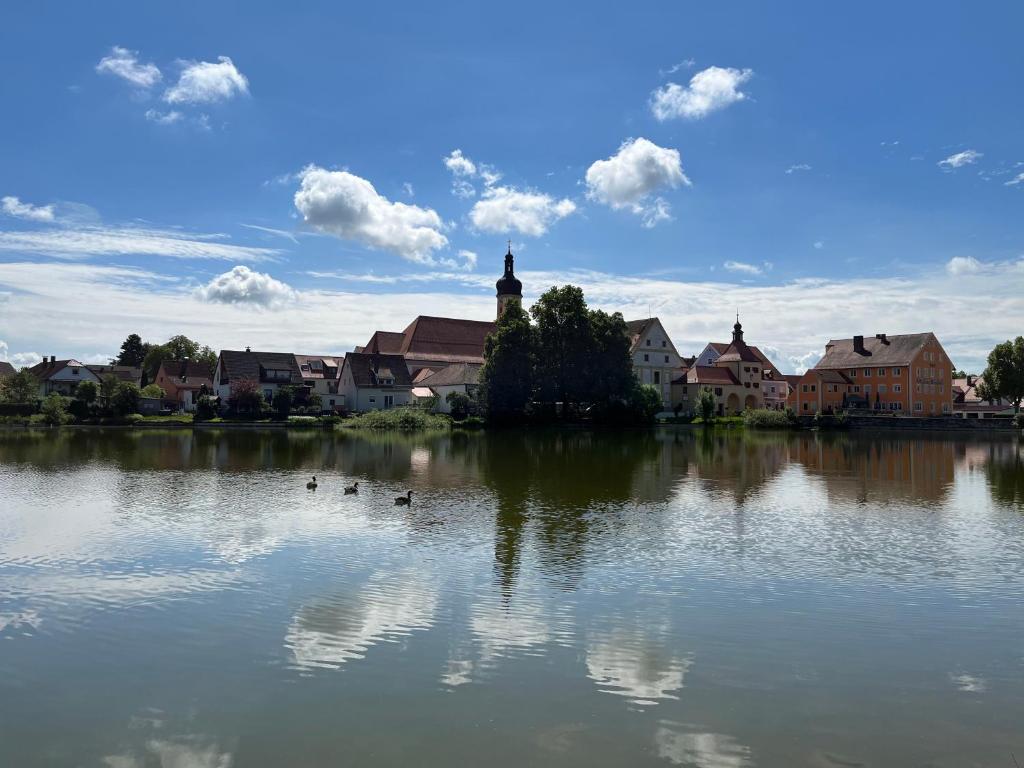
<point x="509" y="288"/>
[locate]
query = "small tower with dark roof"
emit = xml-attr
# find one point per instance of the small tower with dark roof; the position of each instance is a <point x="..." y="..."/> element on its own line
<point x="509" y="288"/>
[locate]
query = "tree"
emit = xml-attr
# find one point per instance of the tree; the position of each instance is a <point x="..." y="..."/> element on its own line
<point x="459" y="405"/>
<point x="125" y="399"/>
<point x="1004" y="376"/>
<point x="246" y="397"/>
<point x="706" y="406"/>
<point x="507" y="374"/>
<point x="958" y="374"/>
<point x="108" y="386"/>
<point x="206" y="408"/>
<point x="282" y="403"/>
<point x="153" y="390"/>
<point x="645" y="402"/>
<point x="178" y="347"/>
<point x="133" y="351"/>
<point x="20" y="387"/>
<point x="87" y="392"/>
<point x="54" y="409"/>
<point x="564" y="345"/>
<point x="610" y="368"/>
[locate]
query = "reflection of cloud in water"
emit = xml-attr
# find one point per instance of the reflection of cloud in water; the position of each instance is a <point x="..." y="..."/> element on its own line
<point x="331" y="631"/>
<point x="624" y="663"/>
<point x="21" y="620"/>
<point x="680" y="745"/>
<point x="185" y="753"/>
<point x="503" y="630"/>
<point x="458" y="672"/>
<point x="969" y="683"/>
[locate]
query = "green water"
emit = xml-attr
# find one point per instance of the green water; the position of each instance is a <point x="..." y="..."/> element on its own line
<point x="179" y="599"/>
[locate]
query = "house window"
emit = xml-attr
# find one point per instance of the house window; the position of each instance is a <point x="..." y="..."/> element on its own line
<point x="385" y="382"/>
<point x="718" y="391"/>
<point x="74" y="371"/>
<point x="805" y="387"/>
<point x="918" y="405"/>
<point x="389" y="401"/>
<point x="806" y="406"/>
<point x="757" y="385"/>
<point x="663" y="343"/>
<point x="648" y="342"/>
<point x="814" y="387"/>
<point x="882" y="388"/>
<point x="897" y="387"/>
<point x="867" y="373"/>
<point x="853" y="374"/>
<point x="857" y="388"/>
<point x="896" y="371"/>
<point x="881" y="371"/>
<point x="268" y="394"/>
<point x="332" y="402"/>
<point x="666" y="358"/>
<point x="657" y="377"/>
<point x="945" y="407"/>
<point x="647" y="358"/>
<point x="373" y="400"/>
<point x="867" y="388"/>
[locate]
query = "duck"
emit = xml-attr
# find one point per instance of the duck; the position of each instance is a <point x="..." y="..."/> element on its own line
<point x="404" y="500"/>
<point x="354" y="488"/>
<point x="311" y="485"/>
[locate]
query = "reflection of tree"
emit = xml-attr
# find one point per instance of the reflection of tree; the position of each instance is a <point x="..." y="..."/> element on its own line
<point x="1005" y="471"/>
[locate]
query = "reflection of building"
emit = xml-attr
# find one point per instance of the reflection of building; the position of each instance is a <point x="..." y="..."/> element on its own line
<point x="735" y="378"/>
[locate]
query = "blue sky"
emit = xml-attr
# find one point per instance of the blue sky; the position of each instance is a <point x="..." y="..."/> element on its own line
<point x="827" y="171"/>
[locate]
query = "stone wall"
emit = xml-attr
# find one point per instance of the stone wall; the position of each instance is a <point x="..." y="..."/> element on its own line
<point x="933" y="423"/>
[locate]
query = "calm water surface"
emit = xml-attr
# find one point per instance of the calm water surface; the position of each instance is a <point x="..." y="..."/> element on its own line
<point x="566" y="599"/>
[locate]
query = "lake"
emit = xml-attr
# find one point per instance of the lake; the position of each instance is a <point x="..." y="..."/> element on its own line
<point x="564" y="598"/>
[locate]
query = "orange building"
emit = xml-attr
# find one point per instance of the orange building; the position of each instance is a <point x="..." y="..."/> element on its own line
<point x="908" y="374"/>
<point x="821" y="391"/>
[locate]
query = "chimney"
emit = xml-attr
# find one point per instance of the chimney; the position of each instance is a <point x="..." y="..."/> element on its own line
<point x="882" y="338"/>
<point x="858" y="345"/>
<point x="53" y="358"/>
<point x="970" y="380"/>
<point x="248" y="349"/>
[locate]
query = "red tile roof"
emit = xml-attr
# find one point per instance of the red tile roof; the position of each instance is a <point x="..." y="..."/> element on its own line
<point x="710" y="374"/>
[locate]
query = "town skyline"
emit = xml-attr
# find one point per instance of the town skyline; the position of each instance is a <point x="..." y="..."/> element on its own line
<point x="170" y="180"/>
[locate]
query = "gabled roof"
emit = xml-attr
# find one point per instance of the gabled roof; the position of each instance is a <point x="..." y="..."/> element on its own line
<point x="384" y="342"/>
<point x="6" y="369"/>
<point x="897" y="350"/>
<point x="638" y="330"/>
<point x="319" y="366"/>
<point x="423" y="373"/>
<point x="721" y="348"/>
<point x="47" y="368"/>
<point x="792" y="378"/>
<point x="187" y="374"/>
<point x="738" y="351"/>
<point x="453" y="375"/>
<point x="829" y="376"/>
<point x="122" y="372"/>
<point x="247" y="365"/>
<point x="366" y="368"/>
<point x="446" y="338"/>
<point x="710" y="374"/>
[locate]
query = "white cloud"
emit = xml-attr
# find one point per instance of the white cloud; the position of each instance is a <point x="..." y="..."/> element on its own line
<point x="469" y="260"/>
<point x="408" y="189"/>
<point x="745" y="268"/>
<point x="629" y="178"/>
<point x="347" y="206"/>
<point x="709" y="90"/>
<point x="960" y="159"/>
<point x="798" y="167"/>
<point x="125" y="64"/>
<point x="203" y="82"/>
<point x="801" y="363"/>
<point x="506" y="209"/>
<point x="242" y="285"/>
<point x="12" y="206"/>
<point x="963" y="265"/>
<point x="459" y="164"/>
<point x="819" y="244"/>
<point x="1018" y="179"/>
<point x="164" y="118"/>
<point x="684" y="64"/>
<point x="126" y="241"/>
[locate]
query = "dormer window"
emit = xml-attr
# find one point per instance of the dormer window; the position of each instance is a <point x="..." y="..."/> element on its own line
<point x="74" y="371"/>
<point x="385" y="382"/>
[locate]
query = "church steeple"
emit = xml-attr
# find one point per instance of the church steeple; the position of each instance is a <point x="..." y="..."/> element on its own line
<point x="737" y="330"/>
<point x="509" y="288"/>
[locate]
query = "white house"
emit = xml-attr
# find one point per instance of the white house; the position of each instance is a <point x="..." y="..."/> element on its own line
<point x="271" y="370"/>
<point x="655" y="359"/>
<point x="461" y="377"/>
<point x="322" y="374"/>
<point x="372" y="382"/>
<point x="61" y="376"/>
<point x="775" y="387"/>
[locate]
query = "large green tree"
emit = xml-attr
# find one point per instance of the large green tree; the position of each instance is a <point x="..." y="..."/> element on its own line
<point x="20" y="387"/>
<point x="507" y="375"/>
<point x="133" y="351"/>
<point x="1004" y="376"/>
<point x="178" y="347"/>
<point x="609" y="367"/>
<point x="564" y="345"/>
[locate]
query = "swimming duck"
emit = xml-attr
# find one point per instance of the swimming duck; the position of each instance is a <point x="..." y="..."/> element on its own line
<point x="311" y="485"/>
<point x="354" y="488"/>
<point x="404" y="500"/>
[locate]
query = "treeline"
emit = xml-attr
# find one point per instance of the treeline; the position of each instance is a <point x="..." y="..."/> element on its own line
<point x="570" y="362"/>
<point x="149" y="356"/>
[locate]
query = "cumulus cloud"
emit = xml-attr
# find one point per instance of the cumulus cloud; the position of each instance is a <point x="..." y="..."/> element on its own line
<point x="709" y="90"/>
<point x="125" y="64"/>
<point x="963" y="265"/>
<point x="124" y="241"/>
<point x="802" y="363"/>
<point x="459" y="164"/>
<point x="242" y="285"/>
<point x="747" y="269"/>
<point x="344" y="205"/>
<point x="204" y="82"/>
<point x="12" y="206"/>
<point x="507" y="209"/>
<point x="960" y="159"/>
<point x="164" y="118"/>
<point x="629" y="178"/>
<point x="464" y="170"/>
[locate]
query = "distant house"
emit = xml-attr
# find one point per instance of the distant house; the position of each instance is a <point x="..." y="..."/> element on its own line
<point x="61" y="376"/>
<point x="271" y="370"/>
<point x="775" y="387"/>
<point x="183" y="380"/>
<point x="322" y="374"/>
<point x="908" y="373"/>
<point x="371" y="382"/>
<point x="823" y="391"/>
<point x="968" y="404"/>
<point x="434" y="342"/>
<point x="6" y="369"/>
<point x="127" y="373"/>
<point x="655" y="359"/>
<point x="735" y="377"/>
<point x="462" y="377"/>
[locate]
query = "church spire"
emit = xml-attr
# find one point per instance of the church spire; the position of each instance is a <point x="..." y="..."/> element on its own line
<point x="737" y="330"/>
<point x="509" y="288"/>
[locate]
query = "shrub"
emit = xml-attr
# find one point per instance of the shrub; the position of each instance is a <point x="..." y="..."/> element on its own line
<point x="400" y="419"/>
<point x="54" y="410"/>
<point x="706" y="406"/>
<point x="20" y="387"/>
<point x="472" y="422"/>
<point x="125" y="399"/>
<point x="206" y="408"/>
<point x="246" y="398"/>
<point x="133" y="418"/>
<point x="153" y="391"/>
<point x="86" y="392"/>
<point x="330" y="421"/>
<point x="764" y="418"/>
<point x="645" y="402"/>
<point x="282" y="402"/>
<point x="841" y="420"/>
<point x="459" y="405"/>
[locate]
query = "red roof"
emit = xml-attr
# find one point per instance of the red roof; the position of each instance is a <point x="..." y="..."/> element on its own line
<point x="710" y="374"/>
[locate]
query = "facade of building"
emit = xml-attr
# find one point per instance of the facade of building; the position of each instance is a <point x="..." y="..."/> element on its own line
<point x="907" y="373"/>
<point x="774" y="388"/>
<point x="271" y="370"/>
<point x="61" y="376"/>
<point x="373" y="382"/>
<point x="655" y="359"/>
<point x="322" y="374"/>
<point x="821" y="391"/>
<point x="182" y="381"/>
<point x="735" y="378"/>
<point x="462" y="377"/>
<point x="968" y="404"/>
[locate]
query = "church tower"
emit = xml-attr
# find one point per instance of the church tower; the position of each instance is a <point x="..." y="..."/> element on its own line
<point x="509" y="288"/>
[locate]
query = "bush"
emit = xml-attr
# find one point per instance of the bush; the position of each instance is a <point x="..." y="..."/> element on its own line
<point x="282" y="402"/>
<point x="764" y="418"/>
<point x="86" y="392"/>
<point x="706" y="406"/>
<point x="125" y="399"/>
<point x="459" y="405"/>
<point x="645" y="402"/>
<point x="54" y="410"/>
<point x="330" y="421"/>
<point x="472" y="422"/>
<point x="206" y="408"/>
<point x="407" y="419"/>
<point x="18" y="409"/>
<point x="153" y="391"/>
<point x="133" y="418"/>
<point x="246" y="398"/>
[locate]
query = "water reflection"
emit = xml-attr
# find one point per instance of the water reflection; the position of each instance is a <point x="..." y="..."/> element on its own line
<point x="634" y="662"/>
<point x="681" y="744"/>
